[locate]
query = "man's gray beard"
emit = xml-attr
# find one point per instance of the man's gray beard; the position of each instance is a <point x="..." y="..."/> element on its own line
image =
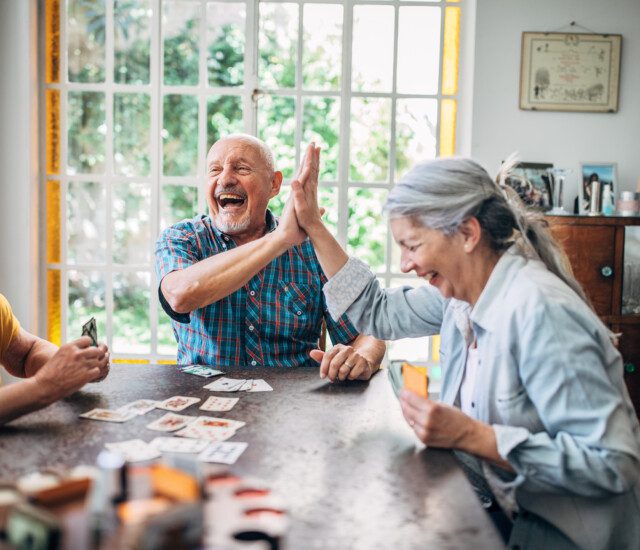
<point x="232" y="228"/>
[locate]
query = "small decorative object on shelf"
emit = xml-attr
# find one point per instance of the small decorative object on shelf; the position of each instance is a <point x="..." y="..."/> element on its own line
<point x="556" y="180"/>
<point x="607" y="201"/>
<point x="628" y="204"/>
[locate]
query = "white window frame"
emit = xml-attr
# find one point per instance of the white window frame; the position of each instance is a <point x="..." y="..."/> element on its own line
<point x="157" y="89"/>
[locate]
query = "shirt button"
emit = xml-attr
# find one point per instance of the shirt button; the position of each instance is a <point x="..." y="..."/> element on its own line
<point x="254" y="363"/>
<point x="298" y="312"/>
<point x="286" y="288"/>
<point x="226" y="238"/>
<point x="250" y="327"/>
<point x="473" y="405"/>
<point x="252" y="293"/>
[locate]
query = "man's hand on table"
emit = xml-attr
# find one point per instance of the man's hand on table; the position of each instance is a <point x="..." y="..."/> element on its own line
<point x="343" y="362"/>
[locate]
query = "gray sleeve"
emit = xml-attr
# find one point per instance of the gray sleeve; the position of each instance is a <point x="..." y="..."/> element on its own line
<point x="403" y="312"/>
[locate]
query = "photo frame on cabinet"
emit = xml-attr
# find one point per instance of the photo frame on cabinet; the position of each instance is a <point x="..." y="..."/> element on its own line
<point x="604" y="172"/>
<point x="531" y="181"/>
<point x="570" y="71"/>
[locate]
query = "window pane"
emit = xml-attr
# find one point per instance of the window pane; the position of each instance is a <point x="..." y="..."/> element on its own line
<point x="370" y="131"/>
<point x="224" y="117"/>
<point x="322" y="46"/>
<point x="278" y="39"/>
<point x="179" y="202"/>
<point x="131" y="128"/>
<point x="410" y="349"/>
<point x="86" y="222"/>
<point x="180" y="135"/>
<point x="367" y="231"/>
<point x="372" y="55"/>
<point x="166" y="339"/>
<point x="418" y="50"/>
<point x="86" y="300"/>
<point x="321" y="123"/>
<point x="416" y="123"/>
<point x="131" y="328"/>
<point x="86" y="134"/>
<point x="131" y="41"/>
<point x="277" y="128"/>
<point x="131" y="226"/>
<point x="85" y="38"/>
<point x="226" y="42"/>
<point x="180" y="32"/>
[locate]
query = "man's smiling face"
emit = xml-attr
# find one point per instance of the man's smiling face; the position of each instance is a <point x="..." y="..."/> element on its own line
<point x="240" y="183"/>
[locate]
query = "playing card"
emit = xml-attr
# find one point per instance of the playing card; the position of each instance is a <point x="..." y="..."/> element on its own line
<point x="226" y="384"/>
<point x="219" y="404"/>
<point x="207" y="422"/>
<point x="247" y="385"/>
<point x="177" y="403"/>
<point x="415" y="379"/>
<point x="224" y="453"/>
<point x="259" y="385"/>
<point x="178" y="445"/>
<point x="201" y="370"/>
<point x="108" y="416"/>
<point x="91" y="330"/>
<point x="134" y="450"/>
<point x="209" y="434"/>
<point x="170" y="422"/>
<point x="141" y="406"/>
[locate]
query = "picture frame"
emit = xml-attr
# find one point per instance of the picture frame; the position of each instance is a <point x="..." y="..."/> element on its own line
<point x="531" y="181"/>
<point x="570" y="71"/>
<point x="605" y="172"/>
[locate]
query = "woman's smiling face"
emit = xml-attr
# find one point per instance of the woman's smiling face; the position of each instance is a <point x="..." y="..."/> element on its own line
<point x="434" y="256"/>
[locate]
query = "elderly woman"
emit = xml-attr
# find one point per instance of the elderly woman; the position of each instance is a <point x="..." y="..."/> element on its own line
<point x="532" y="388"/>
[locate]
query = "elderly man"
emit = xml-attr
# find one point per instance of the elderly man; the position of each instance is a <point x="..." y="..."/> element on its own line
<point x="243" y="289"/>
<point x="51" y="373"/>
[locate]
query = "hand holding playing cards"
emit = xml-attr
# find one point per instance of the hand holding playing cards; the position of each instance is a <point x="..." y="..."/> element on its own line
<point x="437" y="424"/>
<point x="73" y="365"/>
<point x="343" y="362"/>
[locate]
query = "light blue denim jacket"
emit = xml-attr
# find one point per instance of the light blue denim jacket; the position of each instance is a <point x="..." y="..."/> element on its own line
<point x="550" y="382"/>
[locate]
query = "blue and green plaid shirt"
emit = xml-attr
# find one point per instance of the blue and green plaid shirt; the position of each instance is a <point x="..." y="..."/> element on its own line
<point x="273" y="320"/>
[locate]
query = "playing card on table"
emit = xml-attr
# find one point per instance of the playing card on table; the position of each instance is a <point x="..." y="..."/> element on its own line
<point x="141" y="406"/>
<point x="108" y="416"/>
<point x="177" y="403"/>
<point x="219" y="404"/>
<point x="91" y="330"/>
<point x="213" y="422"/>
<point x="259" y="385"/>
<point x="209" y="434"/>
<point x="201" y="370"/>
<point x="134" y="450"/>
<point x="178" y="445"/>
<point x="170" y="422"/>
<point x="226" y="384"/>
<point x="224" y="453"/>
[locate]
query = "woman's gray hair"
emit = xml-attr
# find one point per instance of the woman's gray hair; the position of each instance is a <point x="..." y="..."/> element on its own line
<point x="443" y="193"/>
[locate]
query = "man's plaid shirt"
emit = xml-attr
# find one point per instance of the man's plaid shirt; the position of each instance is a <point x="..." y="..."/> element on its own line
<point x="273" y="320"/>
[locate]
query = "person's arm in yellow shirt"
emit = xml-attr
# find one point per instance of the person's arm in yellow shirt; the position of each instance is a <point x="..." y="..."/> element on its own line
<point x="51" y="373"/>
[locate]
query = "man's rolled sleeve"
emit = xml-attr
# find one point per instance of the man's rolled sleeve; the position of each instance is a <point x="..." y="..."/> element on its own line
<point x="176" y="249"/>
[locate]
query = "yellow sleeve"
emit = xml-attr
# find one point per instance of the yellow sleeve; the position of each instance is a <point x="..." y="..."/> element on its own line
<point x="9" y="325"/>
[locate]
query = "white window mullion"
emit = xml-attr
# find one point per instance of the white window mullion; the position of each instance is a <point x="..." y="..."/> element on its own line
<point x="202" y="110"/>
<point x="251" y="81"/>
<point x="298" y="108"/>
<point x="439" y="93"/>
<point x="155" y="158"/>
<point x="345" y="114"/>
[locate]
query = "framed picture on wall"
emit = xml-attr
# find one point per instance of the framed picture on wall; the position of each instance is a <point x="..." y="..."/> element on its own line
<point x="531" y="181"/>
<point x="604" y="172"/>
<point x="570" y="71"/>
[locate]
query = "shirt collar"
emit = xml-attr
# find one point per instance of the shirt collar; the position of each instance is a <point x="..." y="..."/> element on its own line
<point x="270" y="221"/>
<point x="488" y="308"/>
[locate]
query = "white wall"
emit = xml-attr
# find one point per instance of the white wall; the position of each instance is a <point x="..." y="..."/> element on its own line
<point x="566" y="139"/>
<point x="18" y="159"/>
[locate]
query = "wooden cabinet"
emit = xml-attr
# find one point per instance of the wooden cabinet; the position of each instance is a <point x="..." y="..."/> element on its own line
<point x="596" y="250"/>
